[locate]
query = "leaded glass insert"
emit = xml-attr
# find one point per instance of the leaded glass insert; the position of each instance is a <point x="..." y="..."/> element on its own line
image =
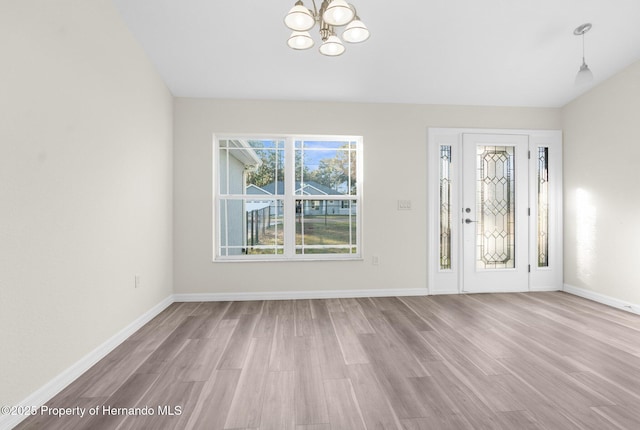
<point x="445" y="207"/>
<point x="543" y="206"/>
<point x="495" y="210"/>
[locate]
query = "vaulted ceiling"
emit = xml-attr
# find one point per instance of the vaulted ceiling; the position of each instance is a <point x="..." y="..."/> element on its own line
<point x="471" y="52"/>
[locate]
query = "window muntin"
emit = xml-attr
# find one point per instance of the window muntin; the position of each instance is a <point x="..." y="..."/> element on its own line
<point x="287" y="198"/>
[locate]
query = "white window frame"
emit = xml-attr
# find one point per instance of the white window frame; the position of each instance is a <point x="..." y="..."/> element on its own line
<point x="289" y="199"/>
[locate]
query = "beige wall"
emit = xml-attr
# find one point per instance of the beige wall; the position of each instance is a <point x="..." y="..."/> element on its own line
<point x="395" y="153"/>
<point x="85" y="186"/>
<point x="601" y="178"/>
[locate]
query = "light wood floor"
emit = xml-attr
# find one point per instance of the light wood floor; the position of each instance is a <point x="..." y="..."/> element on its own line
<point x="486" y="361"/>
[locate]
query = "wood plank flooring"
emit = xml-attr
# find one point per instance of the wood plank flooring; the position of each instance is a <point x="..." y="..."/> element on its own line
<point x="485" y="361"/>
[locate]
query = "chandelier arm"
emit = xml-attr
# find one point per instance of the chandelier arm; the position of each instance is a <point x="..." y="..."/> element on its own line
<point x="323" y="7"/>
<point x="326" y="30"/>
<point x="315" y="8"/>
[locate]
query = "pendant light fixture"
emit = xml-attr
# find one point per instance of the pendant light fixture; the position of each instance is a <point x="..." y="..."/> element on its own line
<point x="332" y="14"/>
<point x="585" y="75"/>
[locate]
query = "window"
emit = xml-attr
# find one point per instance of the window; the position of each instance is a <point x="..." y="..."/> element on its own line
<point x="287" y="197"/>
<point x="543" y="206"/>
<point x="445" y="207"/>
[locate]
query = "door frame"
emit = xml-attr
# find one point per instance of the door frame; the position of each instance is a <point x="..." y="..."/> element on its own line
<point x="449" y="281"/>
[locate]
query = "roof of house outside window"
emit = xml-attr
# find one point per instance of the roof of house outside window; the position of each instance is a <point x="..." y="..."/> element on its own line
<point x="308" y="188"/>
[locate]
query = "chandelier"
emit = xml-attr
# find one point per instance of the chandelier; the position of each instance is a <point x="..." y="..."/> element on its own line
<point x="332" y="14"/>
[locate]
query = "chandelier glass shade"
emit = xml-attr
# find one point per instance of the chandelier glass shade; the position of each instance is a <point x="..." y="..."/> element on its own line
<point x="332" y="46"/>
<point x="331" y="14"/>
<point x="338" y="13"/>
<point x="299" y="18"/>
<point x="355" y="32"/>
<point x="300" y="40"/>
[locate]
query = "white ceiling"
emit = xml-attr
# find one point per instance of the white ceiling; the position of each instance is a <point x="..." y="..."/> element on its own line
<point x="471" y="52"/>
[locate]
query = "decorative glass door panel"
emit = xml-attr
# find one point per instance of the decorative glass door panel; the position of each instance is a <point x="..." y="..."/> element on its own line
<point x="495" y="186"/>
<point x="495" y="212"/>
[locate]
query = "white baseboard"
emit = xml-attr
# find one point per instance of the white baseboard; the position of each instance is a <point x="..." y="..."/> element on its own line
<point x="57" y="384"/>
<point x="293" y="295"/>
<point x="444" y="292"/>
<point x="544" y="288"/>
<point x="601" y="298"/>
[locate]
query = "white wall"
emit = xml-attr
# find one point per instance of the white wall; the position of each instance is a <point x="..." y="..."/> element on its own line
<point x="85" y="186"/>
<point x="395" y="154"/>
<point x="602" y="198"/>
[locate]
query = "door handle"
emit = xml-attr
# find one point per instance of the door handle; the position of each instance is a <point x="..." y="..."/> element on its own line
<point x="468" y="221"/>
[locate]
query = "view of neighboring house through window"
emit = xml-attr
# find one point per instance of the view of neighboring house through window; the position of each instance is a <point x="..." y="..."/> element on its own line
<point x="287" y="198"/>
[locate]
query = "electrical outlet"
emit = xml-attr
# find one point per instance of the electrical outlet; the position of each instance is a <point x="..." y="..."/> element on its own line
<point x="136" y="280"/>
<point x="375" y="260"/>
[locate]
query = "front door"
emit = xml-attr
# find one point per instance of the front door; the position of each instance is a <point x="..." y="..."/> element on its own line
<point x="495" y="196"/>
<point x="495" y="210"/>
